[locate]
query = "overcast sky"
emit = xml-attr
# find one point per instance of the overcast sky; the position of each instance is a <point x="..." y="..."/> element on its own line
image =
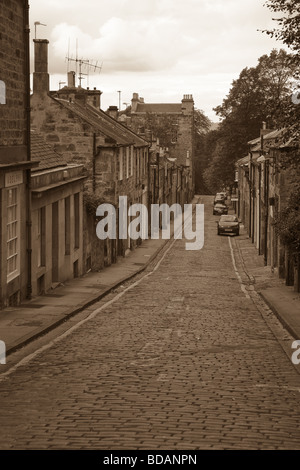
<point x="160" y="49"/>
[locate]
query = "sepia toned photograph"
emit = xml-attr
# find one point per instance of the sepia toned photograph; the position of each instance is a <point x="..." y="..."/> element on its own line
<point x="149" y="228"/>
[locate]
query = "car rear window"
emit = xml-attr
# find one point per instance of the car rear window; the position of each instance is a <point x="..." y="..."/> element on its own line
<point x="228" y="218"/>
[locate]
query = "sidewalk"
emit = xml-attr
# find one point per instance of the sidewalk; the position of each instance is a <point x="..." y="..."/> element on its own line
<point x="281" y="299"/>
<point x="21" y="324"/>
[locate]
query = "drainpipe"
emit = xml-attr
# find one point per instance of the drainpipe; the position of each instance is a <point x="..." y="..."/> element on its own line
<point x="250" y="196"/>
<point x="157" y="165"/>
<point x="28" y="172"/>
<point x="266" y="211"/>
<point x="259" y="209"/>
<point x="149" y="192"/>
<point x="94" y="163"/>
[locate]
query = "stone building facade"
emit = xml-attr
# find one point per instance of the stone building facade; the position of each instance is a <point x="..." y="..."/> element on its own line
<point x="179" y="118"/>
<point x="57" y="217"/>
<point x="15" y="165"/>
<point x="114" y="157"/>
<point x="263" y="190"/>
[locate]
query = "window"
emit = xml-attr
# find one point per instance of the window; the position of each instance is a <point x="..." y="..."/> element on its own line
<point x="146" y="161"/>
<point x="13" y="233"/>
<point x="174" y="134"/>
<point x="2" y="92"/>
<point x="142" y="165"/>
<point x="41" y="237"/>
<point x="124" y="164"/>
<point x="76" y="220"/>
<point x="67" y="225"/>
<point x="131" y="162"/>
<point x="120" y="164"/>
<point x="127" y="162"/>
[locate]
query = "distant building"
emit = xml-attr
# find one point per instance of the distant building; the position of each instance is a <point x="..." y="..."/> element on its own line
<point x="178" y="121"/>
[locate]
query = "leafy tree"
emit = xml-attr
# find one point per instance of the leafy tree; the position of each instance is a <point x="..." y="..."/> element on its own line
<point x="287" y="223"/>
<point x="201" y="128"/>
<point x="160" y="127"/>
<point x="288" y="30"/>
<point x="201" y="122"/>
<point x="261" y="93"/>
<point x="204" y="147"/>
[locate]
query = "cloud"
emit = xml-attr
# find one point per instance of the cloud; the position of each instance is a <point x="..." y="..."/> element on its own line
<point x="127" y="45"/>
<point x="158" y="48"/>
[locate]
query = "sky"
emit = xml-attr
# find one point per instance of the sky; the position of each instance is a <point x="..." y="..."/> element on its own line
<point x="160" y="49"/>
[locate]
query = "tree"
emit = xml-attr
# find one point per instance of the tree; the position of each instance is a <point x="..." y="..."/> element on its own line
<point x="288" y="31"/>
<point x="260" y="94"/>
<point x="201" y="129"/>
<point x="289" y="23"/>
<point x="160" y="127"/>
<point x="287" y="223"/>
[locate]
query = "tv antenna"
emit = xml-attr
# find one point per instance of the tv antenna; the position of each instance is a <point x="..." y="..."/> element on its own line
<point x="37" y="23"/>
<point x="83" y="64"/>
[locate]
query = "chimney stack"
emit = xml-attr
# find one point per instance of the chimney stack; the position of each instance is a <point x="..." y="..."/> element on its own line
<point x="40" y="74"/>
<point x="134" y="102"/>
<point x="71" y="79"/>
<point x="187" y="104"/>
<point x="113" y="112"/>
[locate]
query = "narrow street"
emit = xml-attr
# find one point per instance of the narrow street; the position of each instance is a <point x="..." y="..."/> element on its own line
<point x="180" y="358"/>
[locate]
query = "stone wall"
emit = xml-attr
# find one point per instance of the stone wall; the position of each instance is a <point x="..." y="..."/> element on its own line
<point x="12" y="73"/>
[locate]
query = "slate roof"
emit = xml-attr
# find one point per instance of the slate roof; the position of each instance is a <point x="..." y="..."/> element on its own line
<point x="272" y="136"/>
<point x="158" y="108"/>
<point x="242" y="161"/>
<point x="44" y="153"/>
<point x="117" y="133"/>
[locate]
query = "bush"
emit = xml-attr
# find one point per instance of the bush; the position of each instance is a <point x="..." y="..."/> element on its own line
<point x="287" y="223"/>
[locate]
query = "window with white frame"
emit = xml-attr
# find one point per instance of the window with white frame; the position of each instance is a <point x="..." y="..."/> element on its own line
<point x="41" y="237"/>
<point x="127" y="162"/>
<point x="13" y="233"/>
<point x="131" y="161"/>
<point x="124" y="164"/>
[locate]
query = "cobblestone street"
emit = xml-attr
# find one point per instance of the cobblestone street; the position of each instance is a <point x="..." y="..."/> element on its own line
<point x="181" y="357"/>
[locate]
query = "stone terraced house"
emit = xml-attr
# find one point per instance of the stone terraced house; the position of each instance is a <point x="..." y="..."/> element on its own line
<point x="114" y="157"/>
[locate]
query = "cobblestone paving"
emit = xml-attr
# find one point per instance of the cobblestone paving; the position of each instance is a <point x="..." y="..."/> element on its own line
<point x="182" y="360"/>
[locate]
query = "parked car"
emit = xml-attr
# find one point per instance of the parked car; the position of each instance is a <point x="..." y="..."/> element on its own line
<point x="224" y="194"/>
<point x="228" y="224"/>
<point x="220" y="209"/>
<point x="219" y="198"/>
